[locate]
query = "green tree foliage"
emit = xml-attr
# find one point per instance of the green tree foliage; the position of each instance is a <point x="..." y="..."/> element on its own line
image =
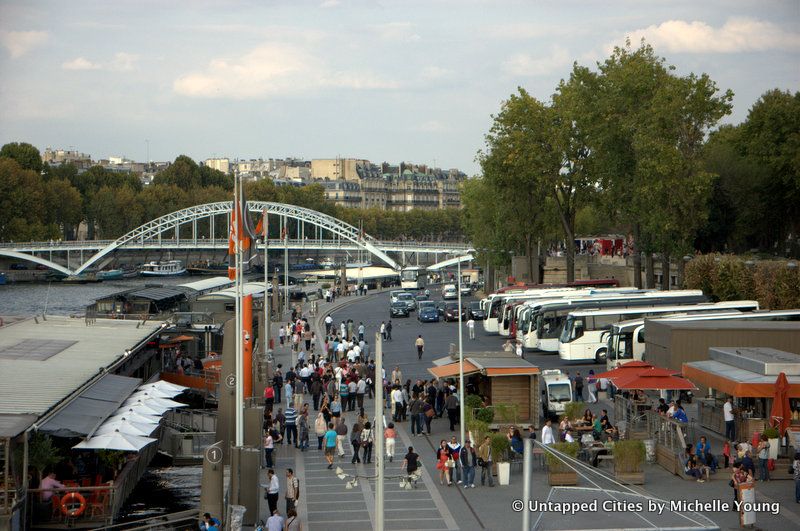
<point x="26" y="155"/>
<point x="185" y="173"/>
<point x="63" y="205"/>
<point x="115" y="211"/>
<point x="22" y="202"/>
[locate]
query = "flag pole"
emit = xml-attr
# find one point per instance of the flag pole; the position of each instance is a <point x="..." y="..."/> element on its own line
<point x="238" y="226"/>
<point x="266" y="284"/>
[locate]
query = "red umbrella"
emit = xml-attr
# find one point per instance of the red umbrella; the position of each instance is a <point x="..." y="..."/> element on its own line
<point x="660" y="379"/>
<point x="780" y="414"/>
<point x="632" y="367"/>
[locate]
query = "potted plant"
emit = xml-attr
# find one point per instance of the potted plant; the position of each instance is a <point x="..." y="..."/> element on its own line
<point x="500" y="447"/>
<point x="628" y="459"/>
<point x="42" y="455"/>
<point x="557" y="472"/>
<point x="476" y="430"/>
<point x="774" y="442"/>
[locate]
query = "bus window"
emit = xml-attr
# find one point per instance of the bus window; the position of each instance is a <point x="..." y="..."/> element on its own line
<point x="640" y="336"/>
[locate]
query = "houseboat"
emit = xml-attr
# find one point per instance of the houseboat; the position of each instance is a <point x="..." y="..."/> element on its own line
<point x="170" y="268"/>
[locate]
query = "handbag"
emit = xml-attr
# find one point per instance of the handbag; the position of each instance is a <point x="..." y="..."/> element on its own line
<point x="771" y="465"/>
<point x="481" y="462"/>
<point x="450" y="463"/>
<point x="429" y="413"/>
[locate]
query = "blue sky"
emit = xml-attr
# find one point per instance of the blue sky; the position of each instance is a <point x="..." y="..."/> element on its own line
<point x="383" y="80"/>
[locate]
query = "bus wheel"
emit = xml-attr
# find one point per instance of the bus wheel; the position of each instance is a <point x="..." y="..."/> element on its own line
<point x="600" y="356"/>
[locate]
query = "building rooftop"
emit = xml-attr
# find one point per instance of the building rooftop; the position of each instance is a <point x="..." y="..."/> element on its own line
<point x="43" y="363"/>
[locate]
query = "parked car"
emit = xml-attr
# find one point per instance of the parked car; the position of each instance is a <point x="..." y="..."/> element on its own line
<point x="19" y="267"/>
<point x="421" y="298"/>
<point x="428" y="314"/>
<point x="398" y="309"/>
<point x="451" y="311"/>
<point x="474" y="311"/>
<point x="466" y="290"/>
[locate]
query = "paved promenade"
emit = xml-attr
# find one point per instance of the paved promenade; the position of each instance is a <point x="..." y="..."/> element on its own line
<point x="326" y="503"/>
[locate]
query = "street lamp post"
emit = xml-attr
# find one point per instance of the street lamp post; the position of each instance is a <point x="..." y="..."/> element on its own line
<point x="462" y="392"/>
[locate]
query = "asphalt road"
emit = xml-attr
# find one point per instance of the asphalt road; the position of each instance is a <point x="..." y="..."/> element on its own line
<point x="438" y="338"/>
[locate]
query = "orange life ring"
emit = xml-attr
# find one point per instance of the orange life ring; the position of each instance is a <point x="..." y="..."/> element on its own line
<point x="67" y="499"/>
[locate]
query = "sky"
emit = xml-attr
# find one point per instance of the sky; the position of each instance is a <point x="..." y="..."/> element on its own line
<point x="389" y="80"/>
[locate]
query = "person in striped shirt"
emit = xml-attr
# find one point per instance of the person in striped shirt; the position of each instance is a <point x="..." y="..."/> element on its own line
<point x="291" y="425"/>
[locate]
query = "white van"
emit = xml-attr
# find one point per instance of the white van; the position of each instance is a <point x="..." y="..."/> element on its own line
<point x="449" y="291"/>
<point x="556" y="393"/>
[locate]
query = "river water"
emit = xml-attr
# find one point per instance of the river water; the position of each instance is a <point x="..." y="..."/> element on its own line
<point x="58" y="298"/>
<point x="163" y="489"/>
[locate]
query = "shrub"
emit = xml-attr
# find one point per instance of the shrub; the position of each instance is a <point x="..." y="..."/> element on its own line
<point x="485" y="415"/>
<point x="771" y="433"/>
<point x="628" y="456"/>
<point x="506" y="412"/>
<point x="500" y="446"/>
<point x="554" y="463"/>
<point x="479" y="429"/>
<point x="471" y="403"/>
<point x="574" y="410"/>
<point x="326" y="285"/>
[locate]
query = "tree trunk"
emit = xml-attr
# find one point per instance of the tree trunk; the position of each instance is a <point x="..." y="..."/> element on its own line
<point x="637" y="258"/>
<point x="665" y="282"/>
<point x="649" y="273"/>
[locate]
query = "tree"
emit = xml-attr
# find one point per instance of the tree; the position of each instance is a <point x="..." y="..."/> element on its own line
<point x="573" y="184"/>
<point x="22" y="204"/>
<point x="63" y="206"/>
<point x="26" y="155"/>
<point x="516" y="165"/>
<point x="770" y="137"/>
<point x="116" y="211"/>
<point x="185" y="173"/>
<point x="92" y="180"/>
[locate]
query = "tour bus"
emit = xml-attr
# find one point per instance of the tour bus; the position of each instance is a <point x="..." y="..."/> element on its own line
<point x="492" y="312"/>
<point x="582" y="337"/>
<point x="413" y="277"/>
<point x="544" y="324"/>
<point x="626" y="340"/>
<point x="510" y="307"/>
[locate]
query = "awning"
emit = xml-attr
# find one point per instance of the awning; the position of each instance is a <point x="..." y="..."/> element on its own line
<point x="452" y="369"/>
<point x="94" y="405"/>
<point x="736" y="382"/>
<point x="12" y="425"/>
<point x="512" y="371"/>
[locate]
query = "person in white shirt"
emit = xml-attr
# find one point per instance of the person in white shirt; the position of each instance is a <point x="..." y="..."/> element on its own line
<point x="273" y="491"/>
<point x="361" y="389"/>
<point x="519" y="349"/>
<point x="340" y="350"/>
<point x="547" y="433"/>
<point x="568" y="437"/>
<point x="671" y="410"/>
<point x="730" y="420"/>
<point x="397" y="403"/>
<point x="471" y="328"/>
<point x="329" y="319"/>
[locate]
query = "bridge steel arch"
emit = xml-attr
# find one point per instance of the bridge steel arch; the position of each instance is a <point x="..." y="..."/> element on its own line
<point x="32" y="258"/>
<point x="187" y="215"/>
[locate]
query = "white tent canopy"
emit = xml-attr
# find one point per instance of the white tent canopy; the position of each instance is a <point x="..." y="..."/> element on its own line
<point x="115" y="440"/>
<point x="128" y="427"/>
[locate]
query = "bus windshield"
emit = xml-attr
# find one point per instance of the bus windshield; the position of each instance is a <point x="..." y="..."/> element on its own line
<point x="566" y="333"/>
<point x="620" y="346"/>
<point x="409" y="274"/>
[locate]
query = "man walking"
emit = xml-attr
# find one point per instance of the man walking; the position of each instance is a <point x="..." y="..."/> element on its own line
<point x="485" y="461"/>
<point x="341" y="436"/>
<point x="469" y="460"/>
<point x="383" y="330"/>
<point x="389" y="330"/>
<point x="451" y="404"/>
<point x="730" y="423"/>
<point x="471" y="328"/>
<point x="578" y="387"/>
<point x="420" y="343"/>
<point x="292" y="490"/>
<point x="291" y="425"/>
<point x="330" y="444"/>
<point x="361" y="330"/>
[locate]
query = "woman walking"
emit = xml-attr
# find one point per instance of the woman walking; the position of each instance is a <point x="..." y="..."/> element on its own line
<point x="366" y="442"/>
<point x="320" y="427"/>
<point x="389" y="435"/>
<point x="763" y="458"/>
<point x="591" y="384"/>
<point x="442" y="458"/>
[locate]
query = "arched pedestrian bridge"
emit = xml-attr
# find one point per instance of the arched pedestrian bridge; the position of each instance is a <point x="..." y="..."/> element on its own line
<point x="205" y="227"/>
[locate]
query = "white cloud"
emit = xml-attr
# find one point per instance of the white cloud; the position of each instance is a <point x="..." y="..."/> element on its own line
<point x="123" y="62"/>
<point x="327" y="4"/>
<point x="527" y="65"/>
<point x="397" y="32"/>
<point x="80" y="63"/>
<point x="272" y="69"/>
<point x="736" y="35"/>
<point x="18" y="43"/>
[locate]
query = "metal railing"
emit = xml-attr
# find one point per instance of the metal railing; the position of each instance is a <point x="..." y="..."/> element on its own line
<point x="184" y="446"/>
<point x="194" y="420"/>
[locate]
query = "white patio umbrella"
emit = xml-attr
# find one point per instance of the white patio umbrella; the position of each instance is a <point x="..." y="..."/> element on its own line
<point x="155" y="392"/>
<point x="129" y="427"/>
<point x="115" y="440"/>
<point x="144" y="409"/>
<point x="164" y="402"/>
<point x="133" y="416"/>
<point x="153" y="403"/>
<point x="164" y="386"/>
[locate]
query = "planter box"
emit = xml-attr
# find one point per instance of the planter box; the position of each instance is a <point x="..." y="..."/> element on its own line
<point x="503" y="473"/>
<point x="569" y="479"/>
<point x="630" y="478"/>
